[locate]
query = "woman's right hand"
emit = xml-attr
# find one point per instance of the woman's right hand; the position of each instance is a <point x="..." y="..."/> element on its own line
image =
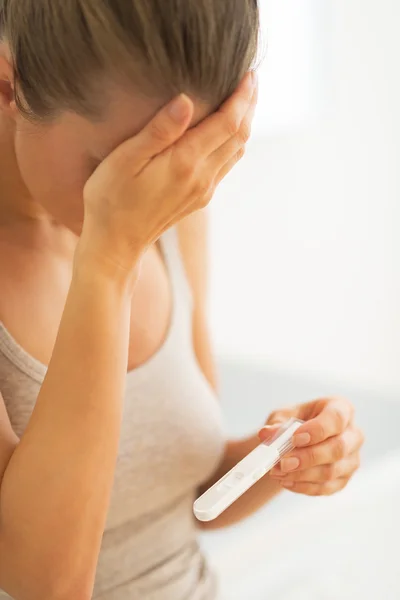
<point x="166" y="172"/>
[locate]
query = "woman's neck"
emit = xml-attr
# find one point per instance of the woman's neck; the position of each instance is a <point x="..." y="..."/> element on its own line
<point x="15" y="201"/>
<point x="22" y="221"/>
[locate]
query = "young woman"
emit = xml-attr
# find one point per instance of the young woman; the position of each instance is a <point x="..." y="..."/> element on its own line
<point x="115" y="129"/>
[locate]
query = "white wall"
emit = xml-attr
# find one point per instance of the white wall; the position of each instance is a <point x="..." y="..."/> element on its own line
<point x="294" y="44"/>
<point x="306" y="244"/>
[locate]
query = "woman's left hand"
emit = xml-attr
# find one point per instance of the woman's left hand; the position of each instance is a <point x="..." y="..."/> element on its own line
<point x="327" y="447"/>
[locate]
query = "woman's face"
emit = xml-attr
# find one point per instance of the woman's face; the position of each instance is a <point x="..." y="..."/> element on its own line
<point x="56" y="159"/>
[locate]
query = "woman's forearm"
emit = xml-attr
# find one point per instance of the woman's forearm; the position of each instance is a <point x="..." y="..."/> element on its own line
<point x="55" y="491"/>
<point x="256" y="497"/>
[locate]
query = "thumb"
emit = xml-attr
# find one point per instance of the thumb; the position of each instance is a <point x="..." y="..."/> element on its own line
<point x="166" y="128"/>
<point x="278" y="417"/>
<point x="268" y="432"/>
<point x="275" y="420"/>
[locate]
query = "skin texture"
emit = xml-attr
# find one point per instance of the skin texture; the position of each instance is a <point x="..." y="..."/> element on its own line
<point x="79" y="277"/>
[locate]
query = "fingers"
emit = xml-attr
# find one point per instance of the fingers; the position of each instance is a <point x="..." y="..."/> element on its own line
<point x="333" y="419"/>
<point x="278" y="417"/>
<point x="275" y="419"/>
<point x="231" y="152"/>
<point x="234" y="148"/>
<point x="327" y="452"/>
<point x="344" y="468"/>
<point x="164" y="130"/>
<point x="221" y="126"/>
<point x="327" y="447"/>
<point x="268" y="432"/>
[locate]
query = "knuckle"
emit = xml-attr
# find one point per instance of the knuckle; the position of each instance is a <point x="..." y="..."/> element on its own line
<point x="320" y="431"/>
<point x="237" y="158"/>
<point x="159" y="130"/>
<point x="231" y="124"/>
<point x="314" y="490"/>
<point x="324" y="489"/>
<point x="205" y="200"/>
<point x="335" y="487"/>
<point x="328" y="489"/>
<point x="330" y="472"/>
<point x="339" y="448"/>
<point x="339" y="417"/>
<point x="240" y="154"/>
<point x="244" y="133"/>
<point x="202" y="187"/>
<point x="184" y="166"/>
<point x="310" y="457"/>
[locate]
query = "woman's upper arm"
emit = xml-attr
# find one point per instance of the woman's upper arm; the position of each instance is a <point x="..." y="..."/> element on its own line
<point x="193" y="240"/>
<point x="8" y="439"/>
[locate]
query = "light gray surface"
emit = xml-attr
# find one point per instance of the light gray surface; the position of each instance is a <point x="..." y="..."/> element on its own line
<point x="249" y="394"/>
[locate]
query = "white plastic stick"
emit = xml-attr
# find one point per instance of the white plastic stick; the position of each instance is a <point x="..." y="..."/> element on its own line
<point x="246" y="473"/>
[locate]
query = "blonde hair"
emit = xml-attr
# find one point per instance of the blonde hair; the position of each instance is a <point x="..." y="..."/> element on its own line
<point x="64" y="50"/>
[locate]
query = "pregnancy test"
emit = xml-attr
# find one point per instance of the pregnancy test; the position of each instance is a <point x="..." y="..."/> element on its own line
<point x="246" y="473"/>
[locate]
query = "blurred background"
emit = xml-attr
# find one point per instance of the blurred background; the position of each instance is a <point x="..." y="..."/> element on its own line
<point x="306" y="291"/>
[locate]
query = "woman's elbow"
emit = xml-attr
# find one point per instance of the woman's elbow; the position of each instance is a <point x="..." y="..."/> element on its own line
<point x="28" y="580"/>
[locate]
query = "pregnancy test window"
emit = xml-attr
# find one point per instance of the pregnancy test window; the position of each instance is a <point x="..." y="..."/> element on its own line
<point x="293" y="79"/>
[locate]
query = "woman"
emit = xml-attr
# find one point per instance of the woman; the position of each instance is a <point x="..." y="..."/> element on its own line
<point x="103" y="271"/>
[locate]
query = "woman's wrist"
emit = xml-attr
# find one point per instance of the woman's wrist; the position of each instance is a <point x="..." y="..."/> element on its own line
<point x="90" y="271"/>
<point x="95" y="261"/>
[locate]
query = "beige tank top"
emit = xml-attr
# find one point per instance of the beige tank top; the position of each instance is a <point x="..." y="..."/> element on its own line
<point x="171" y="441"/>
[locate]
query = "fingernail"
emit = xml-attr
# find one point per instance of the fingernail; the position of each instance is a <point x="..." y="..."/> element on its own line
<point x="290" y="464"/>
<point x="302" y="439"/>
<point x="266" y="431"/>
<point x="287" y="484"/>
<point x="179" y="108"/>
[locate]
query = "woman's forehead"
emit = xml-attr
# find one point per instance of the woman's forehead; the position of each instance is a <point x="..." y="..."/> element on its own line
<point x="126" y="115"/>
